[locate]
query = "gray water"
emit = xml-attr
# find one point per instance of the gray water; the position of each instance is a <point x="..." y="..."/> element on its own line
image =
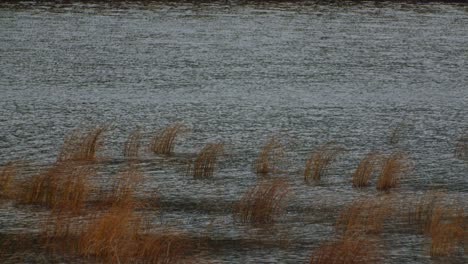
<point x="239" y="73"/>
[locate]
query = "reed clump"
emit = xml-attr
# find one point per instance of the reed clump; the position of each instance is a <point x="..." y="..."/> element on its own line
<point x="269" y="157"/>
<point x="346" y="250"/>
<point x="461" y="147"/>
<point x="132" y="145"/>
<point x="262" y="204"/>
<point x="320" y="161"/>
<point x="446" y="231"/>
<point x="7" y="173"/>
<point x="64" y="186"/>
<point x="365" y="170"/>
<point x="81" y="145"/>
<point x="421" y="212"/>
<point x="363" y="217"/>
<point x="394" y="167"/>
<point x="163" y="142"/>
<point x="205" y="163"/>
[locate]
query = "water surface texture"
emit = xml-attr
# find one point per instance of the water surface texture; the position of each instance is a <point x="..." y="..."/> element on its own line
<point x="239" y="73"/>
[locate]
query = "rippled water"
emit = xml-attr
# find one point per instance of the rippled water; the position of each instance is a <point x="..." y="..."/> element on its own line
<point x="239" y="73"/>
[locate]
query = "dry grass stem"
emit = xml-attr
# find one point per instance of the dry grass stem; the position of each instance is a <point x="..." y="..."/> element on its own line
<point x="394" y="167"/>
<point x="365" y="170"/>
<point x="347" y="250"/>
<point x="164" y="141"/>
<point x="81" y="145"/>
<point x="363" y="217"/>
<point x="206" y="160"/>
<point x="320" y="161"/>
<point x="132" y="145"/>
<point x="262" y="203"/>
<point x="446" y="231"/>
<point x="122" y="194"/>
<point x="269" y="157"/>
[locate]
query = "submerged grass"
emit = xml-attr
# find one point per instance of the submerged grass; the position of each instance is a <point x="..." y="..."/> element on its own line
<point x="81" y="145"/>
<point x="269" y="157"/>
<point x="262" y="203"/>
<point x="163" y="142"/>
<point x="205" y="163"/>
<point x="320" y="161"/>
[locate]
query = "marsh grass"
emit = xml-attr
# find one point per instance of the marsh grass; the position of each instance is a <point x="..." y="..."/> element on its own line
<point x="420" y="212"/>
<point x="206" y="160"/>
<point x="346" y="250"/>
<point x="64" y="186"/>
<point x="81" y="145"/>
<point x="394" y="167"/>
<point x="163" y="142"/>
<point x="363" y="216"/>
<point x="320" y="161"/>
<point x="261" y="204"/>
<point x="7" y="173"/>
<point x="446" y="230"/>
<point x="269" y="157"/>
<point x="461" y="147"/>
<point x="365" y="170"/>
<point x="132" y="145"/>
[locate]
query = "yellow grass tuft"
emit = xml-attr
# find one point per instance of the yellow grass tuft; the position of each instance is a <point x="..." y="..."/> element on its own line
<point x="270" y="154"/>
<point x="346" y="250"/>
<point x="132" y="145"/>
<point x="262" y="203"/>
<point x="365" y="170"/>
<point x="206" y="160"/>
<point x="7" y="172"/>
<point x="320" y="161"/>
<point x="81" y="145"/>
<point x="393" y="168"/>
<point x="163" y="142"/>
<point x="64" y="186"/>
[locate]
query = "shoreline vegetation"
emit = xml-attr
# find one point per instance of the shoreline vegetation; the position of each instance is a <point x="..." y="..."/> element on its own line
<point x="112" y="221"/>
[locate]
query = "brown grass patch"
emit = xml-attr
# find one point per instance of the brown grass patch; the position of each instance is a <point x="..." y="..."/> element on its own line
<point x="163" y="142"/>
<point x="365" y="170"/>
<point x="269" y="156"/>
<point x="81" y="145"/>
<point x="132" y="145"/>
<point x="320" y="161"/>
<point x="394" y="167"/>
<point x="205" y="163"/>
<point x="262" y="203"/>
<point x="347" y="250"/>
<point x="64" y="186"/>
<point x="446" y="231"/>
<point x="7" y="173"/>
<point x="363" y="217"/>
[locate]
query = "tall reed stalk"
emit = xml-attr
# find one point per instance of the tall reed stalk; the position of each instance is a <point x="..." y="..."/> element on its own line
<point x="269" y="157"/>
<point x="205" y="163"/>
<point x="163" y="142"/>
<point x="320" y="161"/>
<point x="81" y="145"/>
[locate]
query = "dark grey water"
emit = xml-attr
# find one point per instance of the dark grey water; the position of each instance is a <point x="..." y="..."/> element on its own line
<point x="312" y="73"/>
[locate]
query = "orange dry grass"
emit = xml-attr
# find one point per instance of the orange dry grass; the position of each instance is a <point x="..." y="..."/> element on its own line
<point x="262" y="203"/>
<point x="163" y="142"/>
<point x="269" y="156"/>
<point x="319" y="162"/>
<point x="421" y="212"/>
<point x="365" y="170"/>
<point x="64" y="186"/>
<point x="81" y="145"/>
<point x="122" y="193"/>
<point x="446" y="231"/>
<point x="7" y="173"/>
<point x="132" y="145"/>
<point x="363" y="216"/>
<point x="394" y="167"/>
<point x="347" y="250"/>
<point x="205" y="162"/>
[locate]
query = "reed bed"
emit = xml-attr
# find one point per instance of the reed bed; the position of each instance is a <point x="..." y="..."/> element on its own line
<point x="320" y="161"/>
<point x="363" y="216"/>
<point x="163" y="142"/>
<point x="394" y="167"/>
<point x="132" y="145"/>
<point x="269" y="157"/>
<point x="81" y="145"/>
<point x="64" y="186"/>
<point x="365" y="170"/>
<point x="421" y="211"/>
<point x="261" y="204"/>
<point x="7" y="173"/>
<point x="346" y="250"/>
<point x="205" y="163"/>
